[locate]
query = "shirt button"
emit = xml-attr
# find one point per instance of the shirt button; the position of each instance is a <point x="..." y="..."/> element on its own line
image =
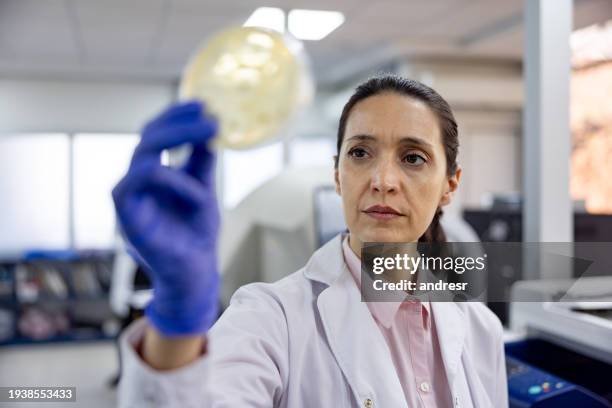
<point x="368" y="403"/>
<point x="424" y="386"/>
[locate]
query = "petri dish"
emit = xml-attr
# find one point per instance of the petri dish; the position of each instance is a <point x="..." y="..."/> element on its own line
<point x="254" y="80"/>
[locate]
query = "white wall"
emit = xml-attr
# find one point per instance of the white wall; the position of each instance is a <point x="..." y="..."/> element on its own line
<point x="470" y="84"/>
<point x="490" y="154"/>
<point x="36" y="105"/>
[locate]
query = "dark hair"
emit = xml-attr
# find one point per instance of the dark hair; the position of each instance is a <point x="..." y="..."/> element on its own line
<point x="448" y="127"/>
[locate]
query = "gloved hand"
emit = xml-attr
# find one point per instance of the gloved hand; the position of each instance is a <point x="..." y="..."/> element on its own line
<point x="170" y="219"/>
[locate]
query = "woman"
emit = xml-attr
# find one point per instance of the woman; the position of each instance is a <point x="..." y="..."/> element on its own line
<point x="306" y="340"/>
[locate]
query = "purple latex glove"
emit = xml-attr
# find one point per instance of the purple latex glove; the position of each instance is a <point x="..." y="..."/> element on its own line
<point x="170" y="219"/>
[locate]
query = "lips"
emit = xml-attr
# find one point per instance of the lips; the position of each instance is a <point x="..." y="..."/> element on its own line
<point x="382" y="212"/>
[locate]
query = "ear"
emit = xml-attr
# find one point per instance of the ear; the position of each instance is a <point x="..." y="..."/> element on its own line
<point x="453" y="183"/>
<point x="337" y="179"/>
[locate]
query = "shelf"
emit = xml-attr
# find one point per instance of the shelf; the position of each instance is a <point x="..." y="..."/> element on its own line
<point x="65" y="338"/>
<point x="46" y="300"/>
<point x="85" y="312"/>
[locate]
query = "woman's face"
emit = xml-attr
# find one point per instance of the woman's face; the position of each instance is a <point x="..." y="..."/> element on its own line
<point x="392" y="170"/>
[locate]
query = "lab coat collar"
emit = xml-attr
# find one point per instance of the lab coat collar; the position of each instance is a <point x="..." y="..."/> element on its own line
<point x="356" y="340"/>
<point x="326" y="264"/>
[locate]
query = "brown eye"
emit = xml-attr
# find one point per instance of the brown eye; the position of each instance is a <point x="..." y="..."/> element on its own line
<point x="358" y="153"/>
<point x="414" y="159"/>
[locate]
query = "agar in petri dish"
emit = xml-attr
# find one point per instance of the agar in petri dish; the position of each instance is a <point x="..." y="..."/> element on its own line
<point x="253" y="80"/>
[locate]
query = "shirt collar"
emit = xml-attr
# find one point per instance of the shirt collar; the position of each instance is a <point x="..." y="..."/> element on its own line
<point x="383" y="312"/>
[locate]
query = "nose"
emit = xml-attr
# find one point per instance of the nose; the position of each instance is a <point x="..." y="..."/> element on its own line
<point x="385" y="177"/>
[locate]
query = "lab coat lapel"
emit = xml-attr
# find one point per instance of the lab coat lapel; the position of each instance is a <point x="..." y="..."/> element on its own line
<point x="354" y="338"/>
<point x="358" y="344"/>
<point x="478" y="393"/>
<point x="450" y="327"/>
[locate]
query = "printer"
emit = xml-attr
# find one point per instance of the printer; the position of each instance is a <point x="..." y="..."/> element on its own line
<point x="565" y="356"/>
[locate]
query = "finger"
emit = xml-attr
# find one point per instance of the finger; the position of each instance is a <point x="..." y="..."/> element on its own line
<point x="129" y="215"/>
<point x="140" y="196"/>
<point x="180" y="186"/>
<point x="135" y="180"/>
<point x="201" y="165"/>
<point x="180" y="113"/>
<point x="176" y="112"/>
<point x="157" y="140"/>
<point x="137" y="257"/>
<point x="169" y="186"/>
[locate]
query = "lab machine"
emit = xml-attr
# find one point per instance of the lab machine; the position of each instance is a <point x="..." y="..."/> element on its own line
<point x="565" y="359"/>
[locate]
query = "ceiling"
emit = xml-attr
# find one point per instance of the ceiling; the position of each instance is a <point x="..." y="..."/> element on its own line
<point x="154" y="38"/>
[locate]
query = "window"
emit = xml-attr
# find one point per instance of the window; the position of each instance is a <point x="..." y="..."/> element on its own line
<point x="312" y="152"/>
<point x="100" y="160"/>
<point x="56" y="188"/>
<point x="34" y="191"/>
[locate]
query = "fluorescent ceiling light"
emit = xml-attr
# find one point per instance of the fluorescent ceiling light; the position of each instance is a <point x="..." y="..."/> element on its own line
<point x="267" y="17"/>
<point x="313" y="24"/>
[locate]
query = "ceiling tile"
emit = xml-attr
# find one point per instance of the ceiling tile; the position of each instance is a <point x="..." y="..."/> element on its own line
<point x="34" y="29"/>
<point x="186" y="32"/>
<point x="122" y="32"/>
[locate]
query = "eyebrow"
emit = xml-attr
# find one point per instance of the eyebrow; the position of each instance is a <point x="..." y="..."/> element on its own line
<point x="413" y="140"/>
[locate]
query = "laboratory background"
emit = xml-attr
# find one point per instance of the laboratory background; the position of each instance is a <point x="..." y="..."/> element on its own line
<point x="530" y="85"/>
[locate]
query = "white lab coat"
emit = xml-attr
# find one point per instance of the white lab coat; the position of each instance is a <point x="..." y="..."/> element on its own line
<point x="308" y="341"/>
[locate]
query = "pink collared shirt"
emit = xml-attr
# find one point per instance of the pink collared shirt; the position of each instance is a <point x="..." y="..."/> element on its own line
<point x="410" y="332"/>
